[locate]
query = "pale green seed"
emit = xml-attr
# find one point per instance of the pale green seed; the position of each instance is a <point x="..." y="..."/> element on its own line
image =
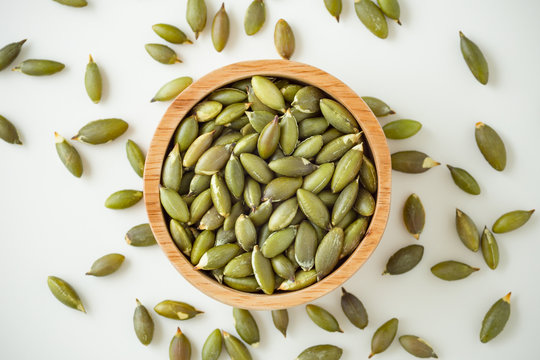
<point x="417" y="346"/>
<point x="162" y="53"/>
<point x="404" y="260"/>
<point x="490" y="249"/>
<point x="245" y="231"/>
<point x="327" y="196"/>
<point x="390" y="8"/>
<point x="101" y="131"/>
<point x="180" y="347"/>
<point x="73" y="3"/>
<point x="242" y="124"/>
<point x="323" y="318"/>
<point x="213" y="159"/>
<point x="143" y="324"/>
<point x="225" y="237"/>
<point x="377" y="106"/>
<point x="247" y="144"/>
<point x="136" y="157"/>
<point x="365" y="203"/>
<point x="302" y="280"/>
<point x="228" y="137"/>
<point x="196" y="16"/>
<point x="338" y="116"/>
<point x="255" y="17"/>
<point x="209" y="126"/>
<point x="92" y="81"/>
<point x="372" y="17"/>
<point x="172" y="89"/>
<point x="452" y="270"/>
<point x="38" y="67"/>
<point x="207" y="110"/>
<point x="231" y="113"/>
<point x="368" y="175"/>
<point x="140" y="235"/>
<point x="9" y="53"/>
<point x="333" y="7"/>
<point x="347" y="220"/>
<point x="414" y="215"/>
<point x="309" y="147"/>
<point x="259" y="119"/>
<point x="347" y="168"/>
<point x="344" y="202"/>
<point x="312" y="126"/>
<point x="305" y="246"/>
<point x="298" y="115"/>
<point x="8" y="132"/>
<point x="283" y="267"/>
<point x="204" y="242"/>
<point x="65" y="293"/>
<point x="262" y="268"/>
<point x="318" y="179"/>
<point x="318" y="352"/>
<point x="511" y="221"/>
<point x="307" y="100"/>
<point x="181" y="236"/>
<point x="220" y="29"/>
<point x="239" y="267"/>
<point x="236" y="210"/>
<point x="218" y="256"/>
<point x="123" y="199"/>
<point x="171" y="34"/>
<point x="475" y="59"/>
<point x="467" y="231"/>
<point x="268" y="140"/>
<point x="491" y="146"/>
<point x="268" y="93"/>
<point x="495" y="319"/>
<point x="288" y="133"/>
<point x="262" y="213"/>
<point x="281" y="188"/>
<point x="212" y="220"/>
<point x="228" y="96"/>
<point x="106" y="265"/>
<point x="313" y="208"/>
<point x="68" y="154"/>
<point x="283" y="215"/>
<point x="245" y="284"/>
<point x="256" y="103"/>
<point x="278" y="241"/>
<point x="401" y="129"/>
<point x="199" y="183"/>
<point x="383" y="337"/>
<point x="284" y="39"/>
<point x="464" y="180"/>
<point x="171" y="175"/>
<point x="246" y="326"/>
<point x="187" y="132"/>
<point x="211" y="349"/>
<point x="280" y="319"/>
<point x="354" y="309"/>
<point x="292" y="166"/>
<point x="173" y="204"/>
<point x="412" y="162"/>
<point x="289" y="91"/>
<point x="252" y="194"/>
<point x="328" y="252"/>
<point x="235" y="348"/>
<point x="336" y="148"/>
<point x="220" y="195"/>
<point x="234" y="176"/>
<point x="256" y="168"/>
<point x="330" y="135"/>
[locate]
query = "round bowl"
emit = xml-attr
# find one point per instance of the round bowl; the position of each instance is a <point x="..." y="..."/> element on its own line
<point x="302" y="73"/>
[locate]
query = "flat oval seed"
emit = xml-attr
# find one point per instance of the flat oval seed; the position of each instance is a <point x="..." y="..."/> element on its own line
<point x="196" y="16"/>
<point x="281" y="320"/>
<point x="213" y="159"/>
<point x="106" y="265"/>
<point x="8" y="132"/>
<point x="235" y="348"/>
<point x="365" y="203"/>
<point x="281" y="188"/>
<point x="181" y="236"/>
<point x="490" y="249"/>
<point x="404" y="260"/>
<point x="252" y="194"/>
<point x="256" y="168"/>
<point x="143" y="324"/>
<point x="284" y="39"/>
<point x="172" y="89"/>
<point x="354" y="309"/>
<point x="92" y="81"/>
<point x="326" y="352"/>
<point x="338" y="116"/>
<point x="259" y="119"/>
<point x="220" y="29"/>
<point x="327" y="196"/>
<point x="225" y="237"/>
<point x="511" y="221"/>
<point x="305" y="245"/>
<point x="312" y="126"/>
<point x="412" y="162"/>
<point x="231" y="113"/>
<point x="180" y="347"/>
<point x="288" y="133"/>
<point x="140" y="235"/>
<point x="246" y="327"/>
<point x="372" y="17"/>
<point x="228" y="96"/>
<point x="283" y="267"/>
<point x="467" y="231"/>
<point x="401" y="129"/>
<point x="262" y="213"/>
<point x="383" y="337"/>
<point x="73" y="3"/>
<point x="495" y="319"/>
<point x="255" y="17"/>
<point x="239" y="267"/>
<point x="204" y="242"/>
<point x="200" y="205"/>
<point x="123" y="199"/>
<point x="37" y="67"/>
<point x="278" y="241"/>
<point x="377" y="106"/>
<point x="256" y="103"/>
<point x="390" y="8"/>
<point x="9" y="52"/>
<point x="207" y="110"/>
<point x="171" y="175"/>
<point x="174" y="205"/>
<point x="307" y="100"/>
<point x="328" y="252"/>
<point x="289" y="91"/>
<point x="171" y="34"/>
<point x="220" y="195"/>
<point x="333" y="7"/>
<point x="245" y="231"/>
<point x="218" y="256"/>
<point x="464" y="180"/>
<point x="234" y="176"/>
<point x="268" y="140"/>
<point x="330" y="134"/>
<point x="474" y="58"/>
<point x="309" y="147"/>
<point x="247" y="144"/>
<point x="262" y="268"/>
<point x="414" y="215"/>
<point x="187" y="132"/>
<point x="491" y="146"/>
<point x="347" y="168"/>
<point x="302" y="279"/>
<point x="354" y="233"/>
<point x="162" y="53"/>
<point x="283" y="215"/>
<point x="344" y="202"/>
<point x="136" y="157"/>
<point x="323" y="318"/>
<point x="211" y="349"/>
<point x="417" y="346"/>
<point x="65" y="293"/>
<point x="268" y="93"/>
<point x="452" y="270"/>
<point x="318" y="179"/>
<point x="336" y="148"/>
<point x="101" y="131"/>
<point x="313" y="208"/>
<point x="245" y="284"/>
<point x="236" y="210"/>
<point x="197" y="148"/>
<point x="68" y="155"/>
<point x="292" y="166"/>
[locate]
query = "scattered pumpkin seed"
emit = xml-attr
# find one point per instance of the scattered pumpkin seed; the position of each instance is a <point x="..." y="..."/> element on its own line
<point x="491" y="146"/>
<point x="417" y="346"/>
<point x="326" y="352"/>
<point x="354" y="309"/>
<point x="67" y="153"/>
<point x="162" y="53"/>
<point x="196" y="16"/>
<point x="404" y="260"/>
<point x="384" y="335"/>
<point x="143" y="324"/>
<point x="176" y="310"/>
<point x="92" y="81"/>
<point x="136" y="157"/>
<point x="474" y="58"/>
<point x="414" y="215"/>
<point x="65" y="293"/>
<point x="140" y="235"/>
<point x="246" y="327"/>
<point x="323" y="318"/>
<point x="284" y="39"/>
<point x="123" y="199"/>
<point x="255" y="17"/>
<point x="401" y="129"/>
<point x="490" y="249"/>
<point x="171" y="34"/>
<point x="180" y="347"/>
<point x="377" y="106"/>
<point x="412" y="162"/>
<point x="495" y="319"/>
<point x="9" y="53"/>
<point x="511" y="221"/>
<point x="172" y="89"/>
<point x="464" y="180"/>
<point x="235" y="348"/>
<point x="212" y="346"/>
<point x="467" y="231"/>
<point x="281" y="320"/>
<point x="101" y="131"/>
<point x="372" y="17"/>
<point x="220" y="29"/>
<point x="38" y="67"/>
<point x="452" y="270"/>
<point x="106" y="265"/>
<point x="8" y="132"/>
<point x="333" y="7"/>
<point x="390" y="8"/>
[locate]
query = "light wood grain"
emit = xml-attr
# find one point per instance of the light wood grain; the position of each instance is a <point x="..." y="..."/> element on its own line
<point x="286" y="69"/>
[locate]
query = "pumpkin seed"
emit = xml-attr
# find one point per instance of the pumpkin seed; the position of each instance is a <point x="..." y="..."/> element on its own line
<point x="328" y="252"/>
<point x="338" y="116"/>
<point x="171" y="175"/>
<point x="197" y="148"/>
<point x="171" y="34"/>
<point x="256" y="168"/>
<point x="252" y="194"/>
<point x="73" y="3"/>
<point x="464" y="180"/>
<point x="228" y="96"/>
<point x="327" y="197"/>
<point x="172" y="89"/>
<point x="318" y="179"/>
<point x="9" y="52"/>
<point x="239" y="267"/>
<point x="180" y="347"/>
<point x="181" y="237"/>
<point x="136" y="157"/>
<point x="417" y="346"/>
<point x="312" y="126"/>
<point x="236" y="210"/>
<point x="344" y="202"/>
<point x="212" y="346"/>
<point x="365" y="203"/>
<point x="289" y="91"/>
<point x="200" y="205"/>
<point x="245" y="231"/>
<point x="322" y="318"/>
<point x="288" y="133"/>
<point x="65" y="293"/>
<point x="245" y="284"/>
<point x="281" y="320"/>
<point x="246" y="327"/>
<point x="218" y="256"/>
<point x="390" y="8"/>
<point x="220" y="195"/>
<point x="143" y="324"/>
<point x="123" y="199"/>
<point x="247" y="144"/>
<point x="213" y="159"/>
<point x="333" y="7"/>
<point x="412" y="162"/>
<point x="207" y="110"/>
<point x="259" y="119"/>
<point x="511" y="221"/>
<point x="313" y="208"/>
<point x="209" y="126"/>
<point x="66" y="152"/>
<point x="326" y="352"/>
<point x="490" y="249"/>
<point x="414" y="215"/>
<point x="302" y="279"/>
<point x="173" y="204"/>
<point x="283" y="267"/>
<point x="281" y="188"/>
<point x="256" y="103"/>
<point x="354" y="309"/>
<point x="162" y="53"/>
<point x="330" y="135"/>
<point x="269" y="139"/>
<point x="401" y="129"/>
<point x="383" y="337"/>
<point x="284" y="39"/>
<point x="452" y="270"/>
<point x="292" y="166"/>
<point x="377" y="106"/>
<point x="261" y="214"/>
<point x="309" y="147"/>
<point x="474" y="58"/>
<point x="268" y="93"/>
<point x="204" y="242"/>
<point x="38" y="67"/>
<point x="278" y="241"/>
<point x="176" y="310"/>
<point x="372" y="17"/>
<point x="495" y="319"/>
<point x="404" y="260"/>
<point x="234" y="176"/>
<point x="255" y="17"/>
<point x="283" y="215"/>
<point x="305" y="245"/>
<point x="347" y="168"/>
<point x="262" y="268"/>
<point x="354" y="233"/>
<point x="140" y="235"/>
<point x="231" y="113"/>
<point x="307" y="100"/>
<point x="225" y="237"/>
<point x="187" y="132"/>
<point x="336" y="148"/>
<point x="101" y="131"/>
<point x="491" y="146"/>
<point x="467" y="231"/>
<point x="106" y="265"/>
<point x="92" y="81"/>
<point x="220" y="29"/>
<point x="8" y="132"/>
<point x="368" y="175"/>
<point x="235" y="348"/>
<point x="196" y="16"/>
<point x="186" y="181"/>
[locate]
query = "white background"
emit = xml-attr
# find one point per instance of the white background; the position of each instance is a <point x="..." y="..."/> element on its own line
<point x="55" y="224"/>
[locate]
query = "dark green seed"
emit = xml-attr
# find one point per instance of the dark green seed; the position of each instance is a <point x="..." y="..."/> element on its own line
<point x="372" y="17"/>
<point x="379" y="107"/>
<point x="68" y="154"/>
<point x="495" y="319"/>
<point x="328" y="252"/>
<point x="333" y="7"/>
<point x="106" y="265"/>
<point x="467" y="231"/>
<point x="284" y="39"/>
<point x="9" y="53"/>
<point x="101" y="131"/>
<point x="452" y="270"/>
<point x="323" y="318"/>
<point x="464" y="180"/>
<point x="246" y="284"/>
<point x="36" y="67"/>
<point x="417" y="346"/>
<point x="414" y="215"/>
<point x="490" y="249"/>
<point x="383" y="337"/>
<point x="354" y="309"/>
<point x="401" y="129"/>
<point x="354" y="233"/>
<point x="123" y="199"/>
<point x="140" y="235"/>
<point x="474" y="58"/>
<point x="8" y="132"/>
<point x="412" y="162"/>
<point x="313" y="208"/>
<point x="143" y="324"/>
<point x="281" y="320"/>
<point x="491" y="146"/>
<point x="321" y="352"/>
<point x="180" y="347"/>
<point x="136" y="157"/>
<point x="511" y="221"/>
<point x="246" y="327"/>
<point x="256" y="168"/>
<point x="404" y="260"/>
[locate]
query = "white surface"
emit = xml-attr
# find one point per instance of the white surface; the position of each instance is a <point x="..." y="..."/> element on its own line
<point x="53" y="223"/>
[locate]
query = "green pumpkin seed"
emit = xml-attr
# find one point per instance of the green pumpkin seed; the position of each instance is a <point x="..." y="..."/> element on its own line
<point x="236" y="210"/>
<point x="401" y="129"/>
<point x="162" y="53"/>
<point x="73" y="3"/>
<point x="372" y="17"/>
<point x="123" y="199"/>
<point x="278" y="241"/>
<point x="312" y="126"/>
<point x="301" y="116"/>
<point x="318" y="179"/>
<point x="491" y="146"/>
<point x="281" y="188"/>
<point x="252" y="194"/>
<point x="474" y="58"/>
<point x="136" y="157"/>
<point x="234" y="176"/>
<point x="213" y="159"/>
<point x="256" y="168"/>
<point x="68" y="155"/>
<point x="262" y="268"/>
<point x="495" y="319"/>
<point x="187" y="132"/>
<point x="344" y="202"/>
<point x="338" y="116"/>
<point x="225" y="237"/>
<point x="313" y="208"/>
<point x="245" y="284"/>
<point x="228" y="96"/>
<point x="212" y="220"/>
<point x="239" y="267"/>
<point x="262" y="213"/>
<point x="354" y="309"/>
<point x="302" y="279"/>
<point x="323" y="318"/>
<point x="245" y="231"/>
<point x="181" y="236"/>
<point x="143" y="324"/>
<point x="106" y="265"/>
<point x="333" y="7"/>
<point x="246" y="327"/>
<point x="197" y="148"/>
<point x="243" y="125"/>
<point x="36" y="67"/>
<point x="452" y="270"/>
<point x="283" y="267"/>
<point x="330" y="135"/>
<point x="365" y="203"/>
<point x="383" y="337"/>
<point x="511" y="221"/>
<point x="347" y="220"/>
<point x="309" y="147"/>
<point x="92" y="81"/>
<point x="209" y="126"/>
<point x="172" y="89"/>
<point x="212" y="346"/>
<point x="289" y="91"/>
<point x="204" y="242"/>
<point x="326" y="352"/>
<point x="228" y="137"/>
<point x="220" y="195"/>
<point x="196" y="16"/>
<point x="467" y="231"/>
<point x="174" y="205"/>
<point x="281" y="320"/>
<point x="9" y="52"/>
<point x="207" y="110"/>
<point x="186" y="181"/>
<point x="140" y="235"/>
<point x="200" y="205"/>
<point x="347" y="168"/>
<point x="101" y="131"/>
<point x="171" y="175"/>
<point x="288" y="133"/>
<point x="255" y="17"/>
<point x="220" y="29"/>
<point x="328" y="252"/>
<point x="414" y="215"/>
<point x="490" y="249"/>
<point x="247" y="144"/>
<point x="268" y="93"/>
<point x="305" y="246"/>
<point x="390" y="8"/>
<point x="235" y="348"/>
<point x="283" y="215"/>
<point x="284" y="39"/>
<point x="404" y="260"/>
<point x="417" y="346"/>
<point x="377" y="106"/>
<point x="218" y="256"/>
<point x="464" y="180"/>
<point x="171" y="34"/>
<point x="327" y="197"/>
<point x="180" y="347"/>
<point x="292" y="166"/>
<point x="307" y="100"/>
<point x="65" y="293"/>
<point x="268" y="140"/>
<point x="231" y="113"/>
<point x="259" y="119"/>
<point x="412" y="162"/>
<point x="336" y="148"/>
<point x="8" y="132"/>
<point x="256" y="103"/>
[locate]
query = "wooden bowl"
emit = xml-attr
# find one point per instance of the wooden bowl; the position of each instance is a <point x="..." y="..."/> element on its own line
<point x="199" y="90"/>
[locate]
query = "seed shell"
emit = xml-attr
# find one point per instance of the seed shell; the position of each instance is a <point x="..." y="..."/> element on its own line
<point x="401" y="129"/>
<point x="354" y="309"/>
<point x="38" y="67"/>
<point x="511" y="221"/>
<point x="417" y="346"/>
<point x="323" y="318"/>
<point x="414" y="215"/>
<point x="383" y="337"/>
<point x="106" y="265"/>
<point x="162" y="53"/>
<point x="333" y="7"/>
<point x="372" y="17"/>
<point x="65" y="293"/>
<point x="404" y="260"/>
<point x="317" y="352"/>
<point x="284" y="39"/>
<point x="140" y="235"/>
<point x="68" y="155"/>
<point x="491" y="146"/>
<point x="143" y="324"/>
<point x="246" y="327"/>
<point x="171" y="34"/>
<point x="490" y="249"/>
<point x="281" y="320"/>
<point x="495" y="319"/>
<point x="123" y="199"/>
<point x="9" y="53"/>
<point x="180" y="347"/>
<point x="101" y="131"/>
<point x="467" y="231"/>
<point x="474" y="58"/>
<point x="172" y="89"/>
<point x="220" y="29"/>
<point x="196" y="16"/>
<point x="452" y="270"/>
<point x="377" y="106"/>
<point x="235" y="348"/>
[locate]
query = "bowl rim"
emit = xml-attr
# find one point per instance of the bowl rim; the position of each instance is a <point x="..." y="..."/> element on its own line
<point x="306" y="74"/>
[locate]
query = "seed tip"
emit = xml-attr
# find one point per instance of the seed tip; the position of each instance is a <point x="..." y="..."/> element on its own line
<point x="90" y="59"/>
<point x="416" y="236"/>
<point x="370" y="355"/>
<point x="479" y="124"/>
<point x="81" y="308"/>
<point x="506" y="297"/>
